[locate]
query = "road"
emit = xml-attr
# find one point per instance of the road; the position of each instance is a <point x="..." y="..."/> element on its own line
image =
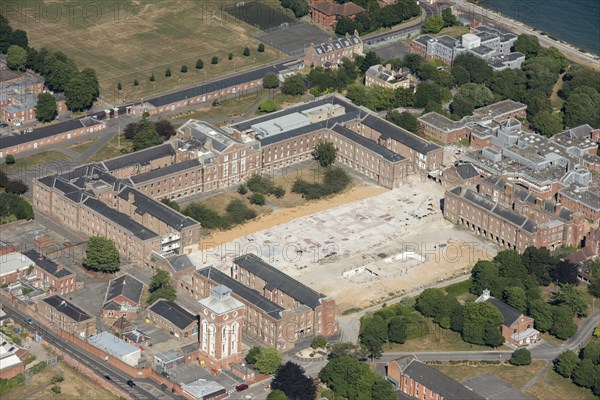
<point x="542" y="351"/>
<point x="145" y="389"/>
<point x="516" y="27"/>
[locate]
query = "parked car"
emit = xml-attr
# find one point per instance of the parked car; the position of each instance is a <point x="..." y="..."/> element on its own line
<point x="131" y="383"/>
<point x="166" y="374"/>
<point x="29" y="321"/>
<point x="241" y="388"/>
<point x="107" y="377"/>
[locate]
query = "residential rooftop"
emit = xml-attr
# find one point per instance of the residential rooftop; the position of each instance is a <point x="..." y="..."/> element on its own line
<point x="69" y="309"/>
<point x="174" y="313"/>
<point x="127" y="286"/>
<point x="48" y="265"/>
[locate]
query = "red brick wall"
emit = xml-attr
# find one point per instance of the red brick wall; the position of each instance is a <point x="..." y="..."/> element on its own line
<point x="13" y="371"/>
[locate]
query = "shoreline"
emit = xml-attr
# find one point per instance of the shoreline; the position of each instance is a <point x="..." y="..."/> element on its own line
<point x="570" y="51"/>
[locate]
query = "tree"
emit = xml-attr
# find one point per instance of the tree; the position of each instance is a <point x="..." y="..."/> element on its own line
<point x="145" y="135"/>
<point x="16" y="57"/>
<point x="592" y="351"/>
<point x="346" y="25"/>
<point x="291" y="380"/>
<point x="383" y="389"/>
<point x="565" y="272"/>
<point x="449" y="18"/>
<point x="520" y="357"/>
<point x="537" y="102"/>
<point x="252" y="355"/>
<point x="270" y="81"/>
<point x="371" y="58"/>
<point x="152" y="79"/>
<point x="161" y="287"/>
<point x="563" y="326"/>
<point x="566" y="363"/>
<point x="164" y="128"/>
<point x="246" y="52"/>
<point x="257" y="198"/>
<point x="539" y="263"/>
<point x="260" y="48"/>
<point x="293" y="86"/>
<point x="349" y="378"/>
<point x="81" y="91"/>
<point x="9" y="159"/>
<point x="171" y="203"/>
<point x="586" y="374"/>
<point x="594" y="288"/>
<point x="230" y="56"/>
<point x="319" y="342"/>
<point x="135" y="82"/>
<point x="433" y="24"/>
<point x="268" y="360"/>
<point x="477" y="317"/>
<point x="528" y="45"/>
<point x="484" y="276"/>
<point x="397" y="330"/>
<point x="267" y="106"/>
<point x="101" y="255"/>
<point x="542" y="313"/>
<point x="19" y="38"/>
<point x="168" y="73"/>
<point x="373" y="334"/>
<point x="405" y="120"/>
<point x="492" y="336"/>
<point x="471" y="94"/>
<point x="299" y="7"/>
<point x="478" y="69"/>
<point x="16" y="186"/>
<point x="214" y="60"/>
<point x="460" y="74"/>
<point x="554" y="53"/>
<point x="508" y="84"/>
<point x="325" y="153"/>
<point x="277" y="395"/>
<point x="184" y="69"/>
<point x="199" y="64"/>
<point x="119" y="86"/>
<point x="510" y="264"/>
<point x="515" y="296"/>
<point x="45" y="109"/>
<point x="429" y="301"/>
<point x="573" y="298"/>
<point x="582" y="107"/>
<point x="427" y="92"/>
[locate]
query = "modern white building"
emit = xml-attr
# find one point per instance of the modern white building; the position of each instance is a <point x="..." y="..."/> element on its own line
<point x="116" y="347"/>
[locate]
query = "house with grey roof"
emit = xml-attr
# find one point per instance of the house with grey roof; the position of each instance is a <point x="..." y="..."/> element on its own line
<point x="51" y="276"/>
<point x="385" y="76"/>
<point x="331" y="53"/>
<point x="517" y="328"/>
<point x="67" y="316"/>
<point x="175" y="319"/>
<point x="123" y="296"/>
<point x="421" y="381"/>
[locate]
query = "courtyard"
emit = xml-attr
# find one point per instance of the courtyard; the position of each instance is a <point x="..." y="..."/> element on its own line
<point x="386" y="244"/>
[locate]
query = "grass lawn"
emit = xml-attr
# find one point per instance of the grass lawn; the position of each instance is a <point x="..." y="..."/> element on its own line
<point x="555" y="100"/>
<point x="554" y="386"/>
<point x="220" y="201"/>
<point x="82" y="146"/>
<point x="124" y="41"/>
<point x="438" y="339"/>
<point x="44" y="157"/>
<point x="228" y="108"/>
<point x="111" y="149"/>
<point x="513" y="375"/>
<point x="454" y="31"/>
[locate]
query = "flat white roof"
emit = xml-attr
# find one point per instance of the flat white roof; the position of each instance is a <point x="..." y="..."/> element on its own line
<point x="113" y="345"/>
<point x="9" y="361"/>
<point x="12" y="262"/>
<point x="201" y="388"/>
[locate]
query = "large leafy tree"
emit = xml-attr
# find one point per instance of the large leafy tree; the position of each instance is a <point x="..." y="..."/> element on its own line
<point x="563" y="326"/>
<point x="397" y="330"/>
<point x="592" y="352"/>
<point x="268" y="360"/>
<point x="45" y="109"/>
<point x="520" y="357"/>
<point x="145" y="135"/>
<point x="478" y="69"/>
<point x="161" y="287"/>
<point x="325" y="153"/>
<point x="101" y="255"/>
<point x="539" y="263"/>
<point x="373" y="334"/>
<point x="164" y="128"/>
<point x="574" y="299"/>
<point x="291" y="380"/>
<point x="351" y="379"/>
<point x="484" y="276"/>
<point x="477" y="317"/>
<point x="542" y="313"/>
<point x="16" y="57"/>
<point x="515" y="296"/>
<point x="582" y="107"/>
<point x="293" y="86"/>
<point x="15" y="205"/>
<point x="270" y="81"/>
<point x="81" y="91"/>
<point x="433" y="24"/>
<point x="528" y="45"/>
<point x="404" y="120"/>
<point x="566" y="363"/>
<point x="586" y="374"/>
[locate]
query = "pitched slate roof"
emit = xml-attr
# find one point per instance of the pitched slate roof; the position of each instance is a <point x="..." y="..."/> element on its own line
<point x="367" y="143"/>
<point x="145" y="204"/>
<point x="47" y="265"/>
<point x="276" y="279"/>
<point x="165" y="171"/>
<point x="251" y="296"/>
<point x="466" y="171"/>
<point x="389" y="130"/>
<point x="179" y="262"/>
<point x="343" y="10"/>
<point x="174" y="313"/>
<point x="126" y="286"/>
<point x="135" y="228"/>
<point x="46" y="131"/>
<point x="69" y="309"/>
<point x="141" y="157"/>
<point x="436" y="381"/>
<point x="509" y="313"/>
